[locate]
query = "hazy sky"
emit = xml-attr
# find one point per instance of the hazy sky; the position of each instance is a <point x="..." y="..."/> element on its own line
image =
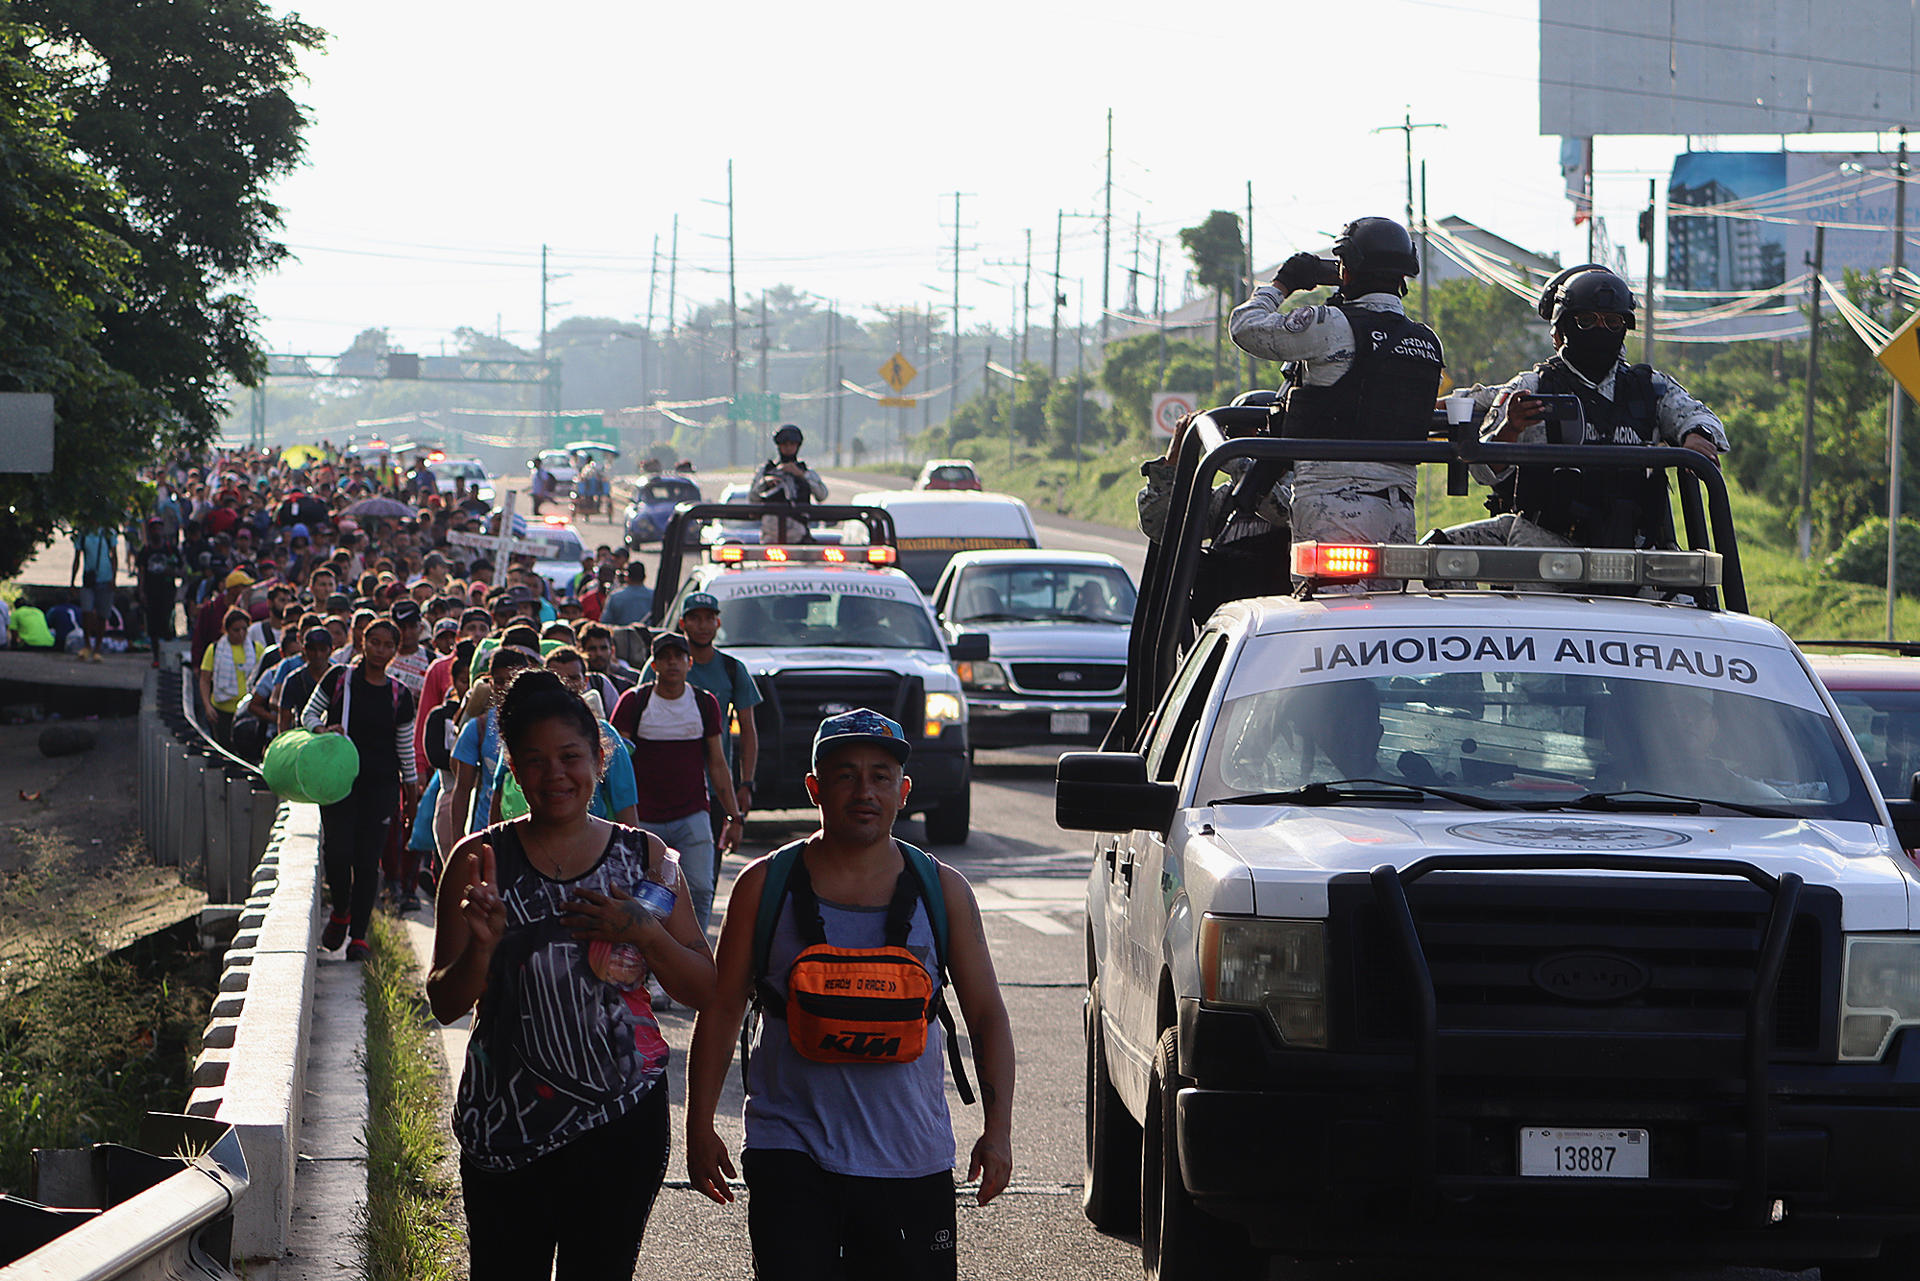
<point x="449" y="141"/>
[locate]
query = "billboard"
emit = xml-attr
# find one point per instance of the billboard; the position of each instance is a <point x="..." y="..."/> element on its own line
<point x="1754" y="232"/>
<point x="1727" y="66"/>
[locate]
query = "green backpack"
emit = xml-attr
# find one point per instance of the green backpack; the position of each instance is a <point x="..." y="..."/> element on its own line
<point x="774" y="891"/>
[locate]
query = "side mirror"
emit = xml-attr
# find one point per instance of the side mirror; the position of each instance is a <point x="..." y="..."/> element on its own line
<point x="1110" y="792"/>
<point x="1906" y="817"/>
<point x="970" y="647"/>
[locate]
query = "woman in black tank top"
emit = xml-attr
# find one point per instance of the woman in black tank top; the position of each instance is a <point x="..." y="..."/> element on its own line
<point x="562" y="1108"/>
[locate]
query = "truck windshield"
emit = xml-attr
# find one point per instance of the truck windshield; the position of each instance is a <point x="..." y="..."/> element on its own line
<point x="1537" y="738"/>
<point x="826" y="618"/>
<point x="1043" y="594"/>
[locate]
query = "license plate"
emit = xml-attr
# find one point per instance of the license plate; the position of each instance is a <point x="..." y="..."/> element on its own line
<point x="1583" y="1154"/>
<point x="1070" y="722"/>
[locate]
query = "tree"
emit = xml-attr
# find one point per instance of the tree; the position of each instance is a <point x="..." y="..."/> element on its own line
<point x="185" y="105"/>
<point x="62" y="269"/>
<point x="138" y="139"/>
<point x="1489" y="334"/>
<point x="1219" y="263"/>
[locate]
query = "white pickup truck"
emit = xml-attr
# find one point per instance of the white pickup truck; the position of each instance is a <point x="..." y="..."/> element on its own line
<point x="1543" y="921"/>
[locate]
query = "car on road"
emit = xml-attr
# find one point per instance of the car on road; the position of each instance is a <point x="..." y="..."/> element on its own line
<point x="561" y="554"/>
<point x="655" y="497"/>
<point x="948" y="473"/>
<point x="932" y="527"/>
<point x="561" y="466"/>
<point x="1058" y="623"/>
<point x="449" y="473"/>
<point x="1877" y="687"/>
<point x="826" y="628"/>
<point x="1539" y="920"/>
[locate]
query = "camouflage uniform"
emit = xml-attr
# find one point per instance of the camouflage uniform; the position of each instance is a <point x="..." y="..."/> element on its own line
<point x="1156" y="496"/>
<point x="1329" y="501"/>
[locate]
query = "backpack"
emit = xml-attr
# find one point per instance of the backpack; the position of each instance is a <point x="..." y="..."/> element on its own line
<point x="854" y="1004"/>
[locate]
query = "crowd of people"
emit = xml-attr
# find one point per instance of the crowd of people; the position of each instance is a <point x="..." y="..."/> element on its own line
<point x="564" y="783"/>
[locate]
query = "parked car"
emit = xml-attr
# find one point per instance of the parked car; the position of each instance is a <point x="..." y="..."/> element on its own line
<point x="1058" y="624"/>
<point x="948" y="473"/>
<point x="653" y="504"/>
<point x="448" y="473"/>
<point x="1877" y="687"/>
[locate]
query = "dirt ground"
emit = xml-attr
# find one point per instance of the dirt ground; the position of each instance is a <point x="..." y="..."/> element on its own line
<point x="72" y="858"/>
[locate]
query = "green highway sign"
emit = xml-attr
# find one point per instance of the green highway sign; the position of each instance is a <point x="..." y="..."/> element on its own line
<point x="755" y="407"/>
<point x="571" y="427"/>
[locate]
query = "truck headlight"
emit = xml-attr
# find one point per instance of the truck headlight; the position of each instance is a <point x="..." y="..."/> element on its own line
<point x="982" y="675"/>
<point x="1276" y="966"/>
<point x="1880" y="993"/>
<point x="942" y="710"/>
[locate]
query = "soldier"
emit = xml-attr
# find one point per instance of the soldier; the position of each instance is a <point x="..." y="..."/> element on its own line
<point x="1591" y="309"/>
<point x="1364" y="372"/>
<point x="788" y="480"/>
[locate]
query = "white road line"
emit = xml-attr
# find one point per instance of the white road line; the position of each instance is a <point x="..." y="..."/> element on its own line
<point x="1038" y="921"/>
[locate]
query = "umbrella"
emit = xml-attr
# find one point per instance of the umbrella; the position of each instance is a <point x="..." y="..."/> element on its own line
<point x="381" y="507"/>
<point x="591" y="447"/>
<point x="300" y="455"/>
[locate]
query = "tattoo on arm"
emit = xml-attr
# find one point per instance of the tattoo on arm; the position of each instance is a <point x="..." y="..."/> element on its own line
<point x="988" y="1095"/>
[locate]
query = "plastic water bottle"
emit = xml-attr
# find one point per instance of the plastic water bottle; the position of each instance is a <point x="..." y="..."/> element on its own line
<point x="656" y="893"/>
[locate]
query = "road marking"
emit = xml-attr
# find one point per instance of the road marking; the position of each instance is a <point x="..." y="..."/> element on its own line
<point x="1039" y="922"/>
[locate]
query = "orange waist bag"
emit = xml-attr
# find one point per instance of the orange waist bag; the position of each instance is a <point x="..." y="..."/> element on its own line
<point x="858" y="1004"/>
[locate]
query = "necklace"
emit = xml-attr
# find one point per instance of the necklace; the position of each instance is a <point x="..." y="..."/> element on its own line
<point x="546" y="856"/>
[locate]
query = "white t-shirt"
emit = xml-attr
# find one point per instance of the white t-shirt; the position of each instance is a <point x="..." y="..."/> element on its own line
<point x="670" y="719"/>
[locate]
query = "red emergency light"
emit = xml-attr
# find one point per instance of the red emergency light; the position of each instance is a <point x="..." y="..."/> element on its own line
<point x="1335" y="560"/>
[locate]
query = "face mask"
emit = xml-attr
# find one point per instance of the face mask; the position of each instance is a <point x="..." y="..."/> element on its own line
<point x="1594" y="351"/>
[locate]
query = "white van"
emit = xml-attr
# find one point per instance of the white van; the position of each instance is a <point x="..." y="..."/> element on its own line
<point x="933" y="525"/>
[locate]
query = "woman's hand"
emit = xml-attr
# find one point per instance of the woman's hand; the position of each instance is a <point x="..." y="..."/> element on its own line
<point x="481" y="907"/>
<point x="613" y="917"/>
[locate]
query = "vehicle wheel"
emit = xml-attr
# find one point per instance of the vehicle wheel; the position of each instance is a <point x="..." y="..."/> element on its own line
<point x="1178" y="1240"/>
<point x="950" y="822"/>
<point x="1110" y="1182"/>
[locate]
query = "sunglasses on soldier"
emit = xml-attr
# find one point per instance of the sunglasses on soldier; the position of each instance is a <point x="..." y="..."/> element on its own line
<point x="1600" y="320"/>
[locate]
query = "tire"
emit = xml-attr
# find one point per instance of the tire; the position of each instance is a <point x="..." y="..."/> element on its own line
<point x="951" y="821"/>
<point x="1110" y="1175"/>
<point x="1178" y="1240"/>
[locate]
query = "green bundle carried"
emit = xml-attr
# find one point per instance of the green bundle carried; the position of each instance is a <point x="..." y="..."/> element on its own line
<point x="311" y="769"/>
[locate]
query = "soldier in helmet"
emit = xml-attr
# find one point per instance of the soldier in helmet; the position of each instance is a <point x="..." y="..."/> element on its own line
<point x="1591" y="309"/>
<point x="787" y="480"/>
<point x="1363" y="371"/>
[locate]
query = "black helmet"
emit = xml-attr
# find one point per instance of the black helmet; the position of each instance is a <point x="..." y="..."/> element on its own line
<point x="1377" y="244"/>
<point x="789" y="432"/>
<point x="1588" y="287"/>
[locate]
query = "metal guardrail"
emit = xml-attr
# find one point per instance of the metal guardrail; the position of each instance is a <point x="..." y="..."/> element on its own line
<point x="206" y="811"/>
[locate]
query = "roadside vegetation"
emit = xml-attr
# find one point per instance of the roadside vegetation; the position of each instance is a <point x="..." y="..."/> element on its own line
<point x="143" y="1010"/>
<point x="413" y="1221"/>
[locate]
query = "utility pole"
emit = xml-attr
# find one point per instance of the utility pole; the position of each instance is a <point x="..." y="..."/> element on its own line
<point x="953" y="394"/>
<point x="673" y="277"/>
<point x="1106" y="236"/>
<point x="1818" y="264"/>
<point x="733" y="336"/>
<point x="1026" y="303"/>
<point x="1647" y="230"/>
<point x="1133" y="275"/>
<point x="1053" y="358"/>
<point x="1405" y="128"/>
<point x="1160" y="315"/>
<point x="1425" y="274"/>
<point x="1897" y="406"/>
<point x="1247" y="286"/>
<point x="544" y="278"/>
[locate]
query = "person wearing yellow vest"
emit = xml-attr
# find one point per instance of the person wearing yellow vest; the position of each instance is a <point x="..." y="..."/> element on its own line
<point x="226" y="670"/>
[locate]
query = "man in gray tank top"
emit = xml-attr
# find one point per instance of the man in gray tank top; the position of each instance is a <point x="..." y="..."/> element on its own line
<point x="850" y="1163"/>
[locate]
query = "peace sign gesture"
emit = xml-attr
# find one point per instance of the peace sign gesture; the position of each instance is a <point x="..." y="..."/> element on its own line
<point x="481" y="907"/>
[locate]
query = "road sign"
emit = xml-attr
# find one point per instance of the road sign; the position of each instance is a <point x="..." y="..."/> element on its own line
<point x="1901" y="355"/>
<point x="898" y="372"/>
<point x="582" y="427"/>
<point x="756" y="407"/>
<point x="1169" y="407"/>
<point x="897" y="402"/>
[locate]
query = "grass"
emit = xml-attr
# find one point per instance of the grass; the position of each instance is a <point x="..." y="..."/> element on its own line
<point x="413" y="1230"/>
<point x="143" y="1011"/>
<point x="1801" y="597"/>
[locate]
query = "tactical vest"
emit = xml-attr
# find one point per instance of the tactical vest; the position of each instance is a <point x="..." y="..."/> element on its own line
<point x="798" y="493"/>
<point x="1601" y="506"/>
<point x="1386" y="394"/>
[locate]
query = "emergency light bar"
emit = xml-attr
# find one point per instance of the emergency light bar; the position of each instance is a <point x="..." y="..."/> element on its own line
<point x="1608" y="567"/>
<point x="806" y="554"/>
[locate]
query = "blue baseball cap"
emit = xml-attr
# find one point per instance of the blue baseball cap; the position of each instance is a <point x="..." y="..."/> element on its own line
<point x="861" y="725"/>
<point x="699" y="600"/>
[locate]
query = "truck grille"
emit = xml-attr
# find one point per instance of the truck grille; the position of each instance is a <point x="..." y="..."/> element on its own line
<point x="1686" y="950"/>
<point x="1070" y="678"/>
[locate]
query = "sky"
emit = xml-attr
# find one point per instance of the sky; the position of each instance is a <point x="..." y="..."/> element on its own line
<point x="449" y="142"/>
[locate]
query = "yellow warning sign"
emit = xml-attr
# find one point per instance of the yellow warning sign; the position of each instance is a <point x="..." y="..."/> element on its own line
<point x="1901" y="355"/>
<point x="898" y="372"/>
<point x="896" y="402"/>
